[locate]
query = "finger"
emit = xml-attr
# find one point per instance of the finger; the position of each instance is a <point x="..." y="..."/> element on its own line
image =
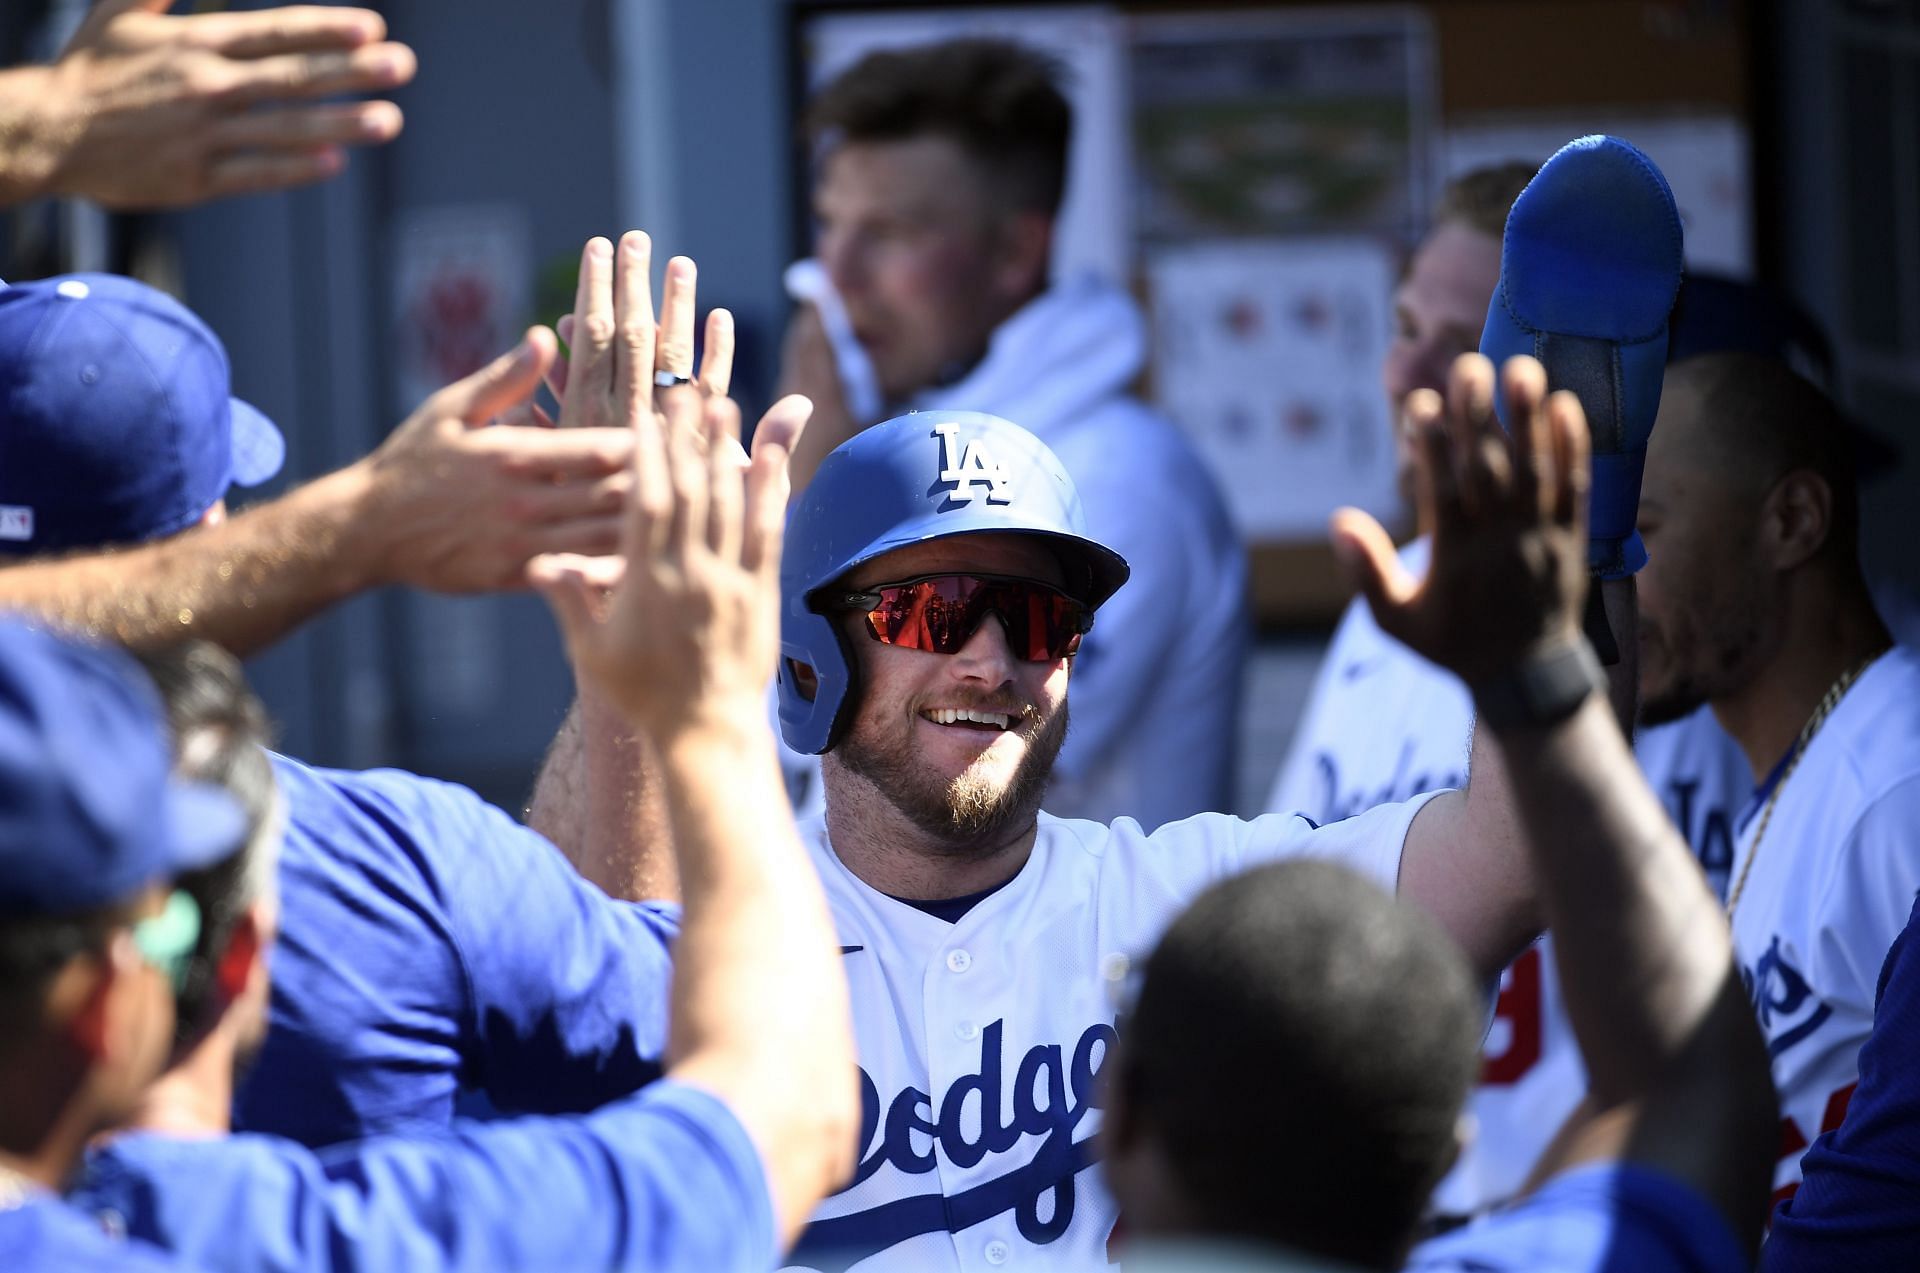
<point x="557" y="373"/>
<point x="782" y="425"/>
<point x="598" y="572"/>
<point x="1572" y="470"/>
<point x="568" y="594"/>
<point x="633" y="309"/>
<point x="551" y="456"/>
<point x="253" y="172"/>
<point x="1533" y="455"/>
<point x="1366" y="557"/>
<point x="590" y="349"/>
<point x="1433" y="478"/>
<point x="550" y="504"/>
<point x="306" y="127"/>
<point x="292" y="29"/>
<point x="726" y="478"/>
<point x="1469" y="417"/>
<point x="107" y="10"/>
<point x="502" y="384"/>
<point x="372" y="69"/>
<point x="527" y="415"/>
<point x="675" y="354"/>
<point x="650" y="510"/>
<point x="588" y="536"/>
<point x="716" y="360"/>
<point x="687" y="467"/>
<point x="764" y="521"/>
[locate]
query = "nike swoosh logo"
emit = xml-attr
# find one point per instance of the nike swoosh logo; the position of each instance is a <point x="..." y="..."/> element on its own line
<point x="848" y="950"/>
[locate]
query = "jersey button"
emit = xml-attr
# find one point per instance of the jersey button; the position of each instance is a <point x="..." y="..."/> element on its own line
<point x="959" y="961"/>
<point x="967" y="1030"/>
<point x="997" y="1253"/>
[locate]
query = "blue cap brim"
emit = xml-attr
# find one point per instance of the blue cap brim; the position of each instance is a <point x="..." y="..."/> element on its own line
<point x="204" y="825"/>
<point x="259" y="449"/>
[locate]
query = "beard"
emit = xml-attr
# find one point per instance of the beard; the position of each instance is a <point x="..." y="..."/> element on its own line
<point x="1671" y="702"/>
<point x="970" y="813"/>
<point x="1703" y="662"/>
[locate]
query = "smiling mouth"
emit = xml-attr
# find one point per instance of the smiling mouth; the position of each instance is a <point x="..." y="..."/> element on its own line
<point x="968" y="718"/>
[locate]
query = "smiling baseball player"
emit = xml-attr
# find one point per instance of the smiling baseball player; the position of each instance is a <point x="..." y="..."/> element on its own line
<point x="936" y="585"/>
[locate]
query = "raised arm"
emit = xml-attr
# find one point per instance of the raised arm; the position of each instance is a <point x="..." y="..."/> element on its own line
<point x="684" y="649"/>
<point x="148" y="110"/>
<point x="443" y="504"/>
<point x="1676" y="1065"/>
<point x="598" y="792"/>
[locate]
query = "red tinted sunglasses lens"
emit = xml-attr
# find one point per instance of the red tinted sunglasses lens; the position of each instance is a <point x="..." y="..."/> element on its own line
<point x="940" y="614"/>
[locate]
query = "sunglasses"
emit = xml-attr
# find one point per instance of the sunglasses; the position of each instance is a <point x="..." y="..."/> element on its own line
<point x="939" y="614"/>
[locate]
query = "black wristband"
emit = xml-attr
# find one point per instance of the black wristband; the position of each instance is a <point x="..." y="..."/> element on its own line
<point x="1543" y="689"/>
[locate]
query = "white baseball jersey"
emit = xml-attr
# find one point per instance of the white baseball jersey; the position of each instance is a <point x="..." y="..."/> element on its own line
<point x="981" y="1041"/>
<point x="1833" y="881"/>
<point x="1382" y="724"/>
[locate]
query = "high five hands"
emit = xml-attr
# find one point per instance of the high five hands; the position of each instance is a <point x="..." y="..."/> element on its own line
<point x="684" y="623"/>
<point x="1507" y="513"/>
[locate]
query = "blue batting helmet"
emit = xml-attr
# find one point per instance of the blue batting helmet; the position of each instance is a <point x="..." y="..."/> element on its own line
<point x="928" y="475"/>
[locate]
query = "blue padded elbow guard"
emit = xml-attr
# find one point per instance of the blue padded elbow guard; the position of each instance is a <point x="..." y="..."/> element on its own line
<point x="1589" y="270"/>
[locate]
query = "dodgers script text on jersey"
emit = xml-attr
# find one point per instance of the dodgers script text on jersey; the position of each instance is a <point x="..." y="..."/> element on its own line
<point x="981" y="1041"/>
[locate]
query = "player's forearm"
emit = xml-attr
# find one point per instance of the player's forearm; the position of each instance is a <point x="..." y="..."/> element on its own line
<point x="1643" y="948"/>
<point x="243" y="584"/>
<point x="1678" y="1073"/>
<point x="598" y="799"/>
<point x="1492" y="904"/>
<point x="760" y="1014"/>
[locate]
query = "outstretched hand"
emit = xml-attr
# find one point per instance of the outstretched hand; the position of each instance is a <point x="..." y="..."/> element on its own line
<point x="617" y="346"/>
<point x="691" y="628"/>
<point x="1507" y="513"/>
<point x="452" y="506"/>
<point x="145" y="109"/>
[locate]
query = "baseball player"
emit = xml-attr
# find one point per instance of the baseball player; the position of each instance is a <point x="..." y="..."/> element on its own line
<point x="1383" y="724"/>
<point x="428" y="942"/>
<point x="713" y="1168"/>
<point x="93" y="934"/>
<point x="1755" y="603"/>
<point x="942" y="169"/>
<point x="937" y="582"/>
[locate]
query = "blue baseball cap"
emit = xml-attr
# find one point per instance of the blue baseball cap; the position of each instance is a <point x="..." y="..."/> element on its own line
<point x="89" y="811"/>
<point x="117" y="417"/>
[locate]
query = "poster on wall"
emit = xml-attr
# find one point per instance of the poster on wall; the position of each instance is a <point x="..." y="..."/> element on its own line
<point x="1303" y="122"/>
<point x="1268" y="355"/>
<point x="462" y="284"/>
<point x="1088" y="42"/>
<point x="1706" y="158"/>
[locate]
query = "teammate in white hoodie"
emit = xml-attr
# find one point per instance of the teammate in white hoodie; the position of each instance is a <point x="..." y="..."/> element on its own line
<point x="941" y="175"/>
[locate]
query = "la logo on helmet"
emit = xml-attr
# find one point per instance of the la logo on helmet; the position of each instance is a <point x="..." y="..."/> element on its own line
<point x="971" y="468"/>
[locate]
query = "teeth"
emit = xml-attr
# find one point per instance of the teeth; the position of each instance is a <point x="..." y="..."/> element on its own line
<point x="954" y="715"/>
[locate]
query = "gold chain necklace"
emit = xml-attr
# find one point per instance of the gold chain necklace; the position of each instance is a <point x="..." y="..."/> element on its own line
<point x="1835" y="692"/>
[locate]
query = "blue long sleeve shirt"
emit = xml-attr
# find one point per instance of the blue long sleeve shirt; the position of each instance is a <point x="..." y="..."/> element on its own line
<point x="430" y="943"/>
<point x="666" y="1180"/>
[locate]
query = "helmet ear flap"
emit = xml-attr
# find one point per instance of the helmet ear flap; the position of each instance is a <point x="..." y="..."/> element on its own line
<point x="813" y="723"/>
<point x="849" y="704"/>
